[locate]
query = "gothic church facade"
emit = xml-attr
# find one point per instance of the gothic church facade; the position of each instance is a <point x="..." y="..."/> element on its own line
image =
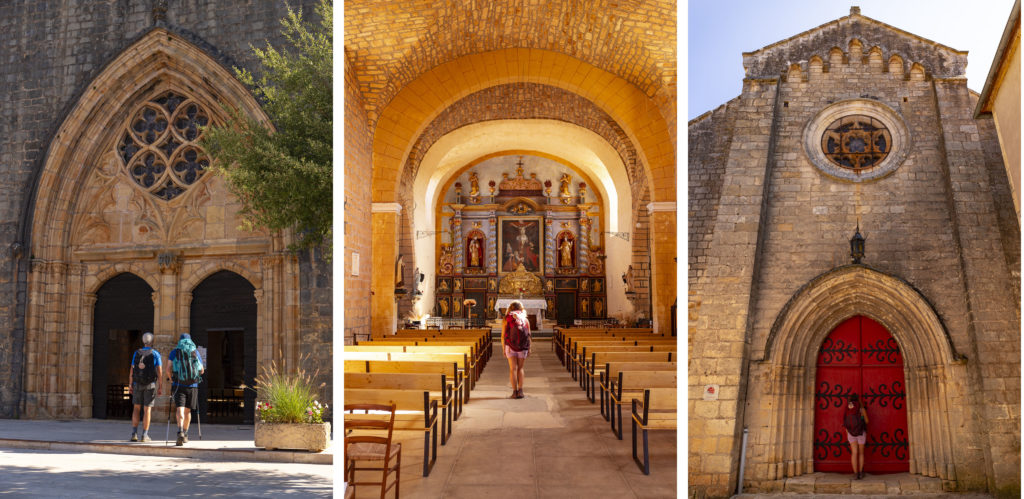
<point x="852" y="128"/>
<point x="114" y="225"/>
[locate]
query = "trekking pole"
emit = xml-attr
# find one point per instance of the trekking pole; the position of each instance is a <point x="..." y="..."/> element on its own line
<point x="199" y="422"/>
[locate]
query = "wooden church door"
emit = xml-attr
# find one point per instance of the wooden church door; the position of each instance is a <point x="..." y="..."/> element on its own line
<point x="861" y="356"/>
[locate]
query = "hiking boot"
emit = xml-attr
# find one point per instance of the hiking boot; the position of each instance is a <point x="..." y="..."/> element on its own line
<point x="135" y="437"/>
<point x="519" y="394"/>
<point x="184" y="437"/>
<point x="181" y="439"/>
<point x="145" y="437"/>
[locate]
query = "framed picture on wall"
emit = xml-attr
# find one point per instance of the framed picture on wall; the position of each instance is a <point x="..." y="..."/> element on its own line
<point x="520" y="241"/>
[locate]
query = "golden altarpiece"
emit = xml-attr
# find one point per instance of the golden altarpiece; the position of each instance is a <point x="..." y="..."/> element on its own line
<point x="520" y="237"/>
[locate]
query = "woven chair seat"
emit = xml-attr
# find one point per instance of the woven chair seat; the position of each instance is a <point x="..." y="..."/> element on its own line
<point x="367" y="451"/>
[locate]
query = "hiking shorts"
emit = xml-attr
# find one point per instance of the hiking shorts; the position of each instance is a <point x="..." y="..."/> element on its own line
<point x="510" y="354"/>
<point x="144" y="395"/>
<point x="187" y="396"/>
<point x="859" y="439"/>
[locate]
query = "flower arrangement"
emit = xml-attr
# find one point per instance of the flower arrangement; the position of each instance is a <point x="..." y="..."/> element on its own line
<point x="287" y="398"/>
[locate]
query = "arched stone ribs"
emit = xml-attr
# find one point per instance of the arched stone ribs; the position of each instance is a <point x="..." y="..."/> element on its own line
<point x="780" y="398"/>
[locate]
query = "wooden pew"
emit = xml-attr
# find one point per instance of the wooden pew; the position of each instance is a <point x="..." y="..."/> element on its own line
<point x="611" y="372"/>
<point x="591" y="368"/>
<point x="436" y="384"/>
<point x="462" y="360"/>
<point x="656" y="411"/>
<point x="450" y="369"/>
<point x="629" y="384"/>
<point x="418" y="413"/>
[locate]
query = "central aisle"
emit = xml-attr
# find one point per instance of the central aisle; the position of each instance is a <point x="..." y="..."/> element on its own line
<point x="553" y="443"/>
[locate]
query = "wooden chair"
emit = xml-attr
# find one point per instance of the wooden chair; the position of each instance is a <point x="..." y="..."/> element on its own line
<point x="372" y="448"/>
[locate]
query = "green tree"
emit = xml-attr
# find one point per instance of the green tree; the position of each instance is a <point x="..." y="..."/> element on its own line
<point x="283" y="176"/>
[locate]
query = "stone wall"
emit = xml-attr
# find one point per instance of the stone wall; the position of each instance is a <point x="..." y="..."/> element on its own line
<point x="50" y="55"/>
<point x="942" y="222"/>
<point x="357" y="209"/>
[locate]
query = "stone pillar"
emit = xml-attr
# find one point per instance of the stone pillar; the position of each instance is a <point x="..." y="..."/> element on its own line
<point x="383" y="309"/>
<point x="492" y="244"/>
<point x="550" y="261"/>
<point x="718" y="343"/>
<point x="994" y="349"/>
<point x="663" y="263"/>
<point x="167" y="324"/>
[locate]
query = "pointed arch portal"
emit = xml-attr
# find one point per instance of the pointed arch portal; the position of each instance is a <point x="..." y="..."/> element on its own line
<point x="125" y="187"/>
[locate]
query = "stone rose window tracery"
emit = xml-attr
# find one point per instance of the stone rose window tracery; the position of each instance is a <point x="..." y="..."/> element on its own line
<point x="159" y="148"/>
<point x="856" y="142"/>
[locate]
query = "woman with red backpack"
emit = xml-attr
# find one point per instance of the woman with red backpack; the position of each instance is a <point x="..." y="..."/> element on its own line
<point x="856" y="423"/>
<point x="515" y="339"/>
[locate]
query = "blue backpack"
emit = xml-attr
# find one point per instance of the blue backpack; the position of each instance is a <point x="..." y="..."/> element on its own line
<point x="186" y="364"/>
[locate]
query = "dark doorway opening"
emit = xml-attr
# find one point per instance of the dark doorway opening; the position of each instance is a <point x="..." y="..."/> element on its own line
<point x="123" y="311"/>
<point x="566" y="306"/>
<point x="223" y="321"/>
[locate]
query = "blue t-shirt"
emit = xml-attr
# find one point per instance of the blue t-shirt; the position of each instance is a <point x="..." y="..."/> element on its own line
<point x="173" y="355"/>
<point x="156" y="357"/>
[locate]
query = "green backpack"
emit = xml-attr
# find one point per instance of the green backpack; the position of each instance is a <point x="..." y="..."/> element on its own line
<point x="186" y="364"/>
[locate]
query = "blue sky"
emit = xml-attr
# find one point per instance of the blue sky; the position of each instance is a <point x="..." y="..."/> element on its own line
<point x="720" y="31"/>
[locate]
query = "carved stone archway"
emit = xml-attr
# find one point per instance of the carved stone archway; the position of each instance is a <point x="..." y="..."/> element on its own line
<point x="781" y="393"/>
<point x="112" y="199"/>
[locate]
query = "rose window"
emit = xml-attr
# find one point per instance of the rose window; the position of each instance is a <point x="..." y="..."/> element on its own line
<point x="856" y="142"/>
<point x="159" y="147"/>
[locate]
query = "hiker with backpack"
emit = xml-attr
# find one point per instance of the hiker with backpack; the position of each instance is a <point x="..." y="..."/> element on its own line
<point x="515" y="338"/>
<point x="856" y="423"/>
<point x="145" y="383"/>
<point x="186" y="373"/>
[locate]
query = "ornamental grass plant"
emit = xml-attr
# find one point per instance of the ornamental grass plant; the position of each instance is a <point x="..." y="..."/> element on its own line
<point x="287" y="397"/>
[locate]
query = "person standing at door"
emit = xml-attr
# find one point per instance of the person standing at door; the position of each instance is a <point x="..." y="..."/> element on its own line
<point x="856" y="423"/>
<point x="145" y="383"/>
<point x="186" y="371"/>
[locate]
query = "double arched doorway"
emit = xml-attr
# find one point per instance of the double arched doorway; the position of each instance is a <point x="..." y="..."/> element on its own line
<point x="861" y="357"/>
<point x="223" y="320"/>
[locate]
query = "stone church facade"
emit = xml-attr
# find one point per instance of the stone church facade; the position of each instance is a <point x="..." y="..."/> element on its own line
<point x="112" y="223"/>
<point x="853" y="127"/>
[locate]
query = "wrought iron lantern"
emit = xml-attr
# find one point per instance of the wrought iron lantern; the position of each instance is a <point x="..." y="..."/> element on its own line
<point x="857" y="245"/>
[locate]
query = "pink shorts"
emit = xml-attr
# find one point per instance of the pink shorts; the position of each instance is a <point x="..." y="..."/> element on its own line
<point x="861" y="439"/>
<point x="509" y="353"/>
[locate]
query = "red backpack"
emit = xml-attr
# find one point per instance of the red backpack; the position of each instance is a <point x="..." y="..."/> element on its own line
<point x="517" y="334"/>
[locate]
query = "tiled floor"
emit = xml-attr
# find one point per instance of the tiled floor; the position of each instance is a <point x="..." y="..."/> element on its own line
<point x="553" y="443"/>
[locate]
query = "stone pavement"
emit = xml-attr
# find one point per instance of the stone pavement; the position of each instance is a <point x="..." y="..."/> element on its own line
<point x="51" y="474"/>
<point x="219" y="442"/>
<point x="553" y="443"/>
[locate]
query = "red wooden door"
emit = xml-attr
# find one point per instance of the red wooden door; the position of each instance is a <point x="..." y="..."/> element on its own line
<point x="860" y="356"/>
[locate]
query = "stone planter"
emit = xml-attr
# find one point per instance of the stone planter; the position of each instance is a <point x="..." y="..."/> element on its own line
<point x="313" y="437"/>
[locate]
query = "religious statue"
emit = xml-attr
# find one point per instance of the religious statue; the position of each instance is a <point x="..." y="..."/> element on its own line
<point x="444" y="307"/>
<point x="565" y="250"/>
<point x="458" y="285"/>
<point x="456" y="308"/>
<point x="399" y="271"/>
<point x="490" y="304"/>
<point x="474" y="252"/>
<point x="563" y="190"/>
<point x="551" y="306"/>
<point x="550" y="285"/>
<point x="597" y="285"/>
<point x="627" y="279"/>
<point x="598" y="308"/>
<point x="584" y="284"/>
<point x="583" y="306"/>
<point x="443" y="286"/>
<point x="491" y="284"/>
<point x="474" y="185"/>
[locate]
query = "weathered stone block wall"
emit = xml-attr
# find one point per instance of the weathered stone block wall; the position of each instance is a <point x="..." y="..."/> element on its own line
<point x="942" y="222"/>
<point x="357" y="206"/>
<point x="50" y="54"/>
